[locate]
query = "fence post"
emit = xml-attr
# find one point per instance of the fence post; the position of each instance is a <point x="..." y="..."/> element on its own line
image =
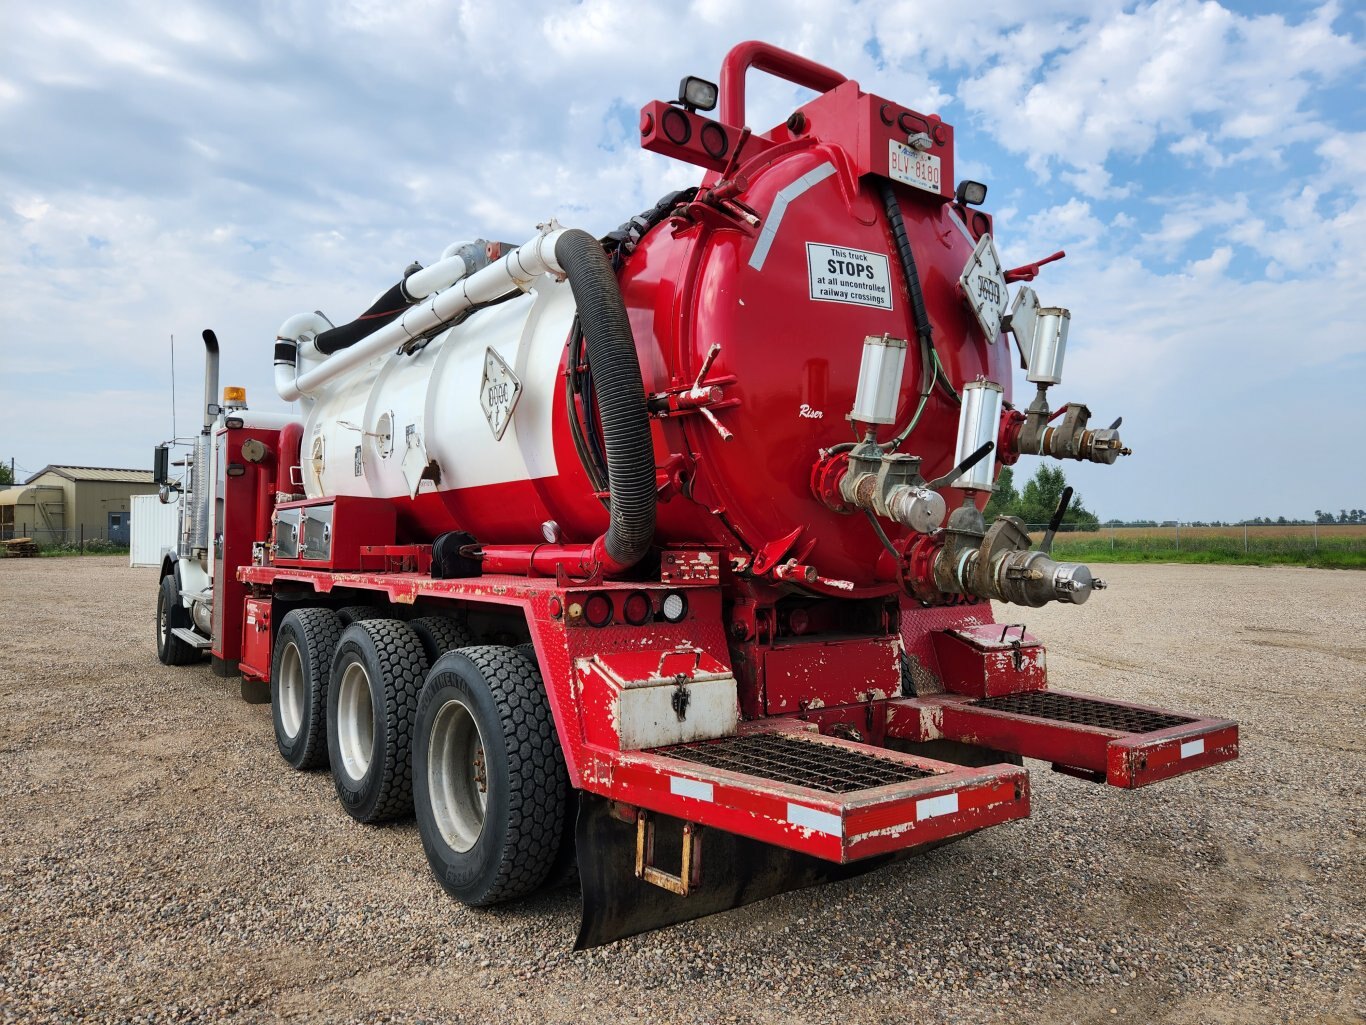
<point x="1316" y="535"/>
<point x="1112" y="539"/>
<point x="83" y="539"/>
<point x="1178" y="535"/>
<point x="1244" y="538"/>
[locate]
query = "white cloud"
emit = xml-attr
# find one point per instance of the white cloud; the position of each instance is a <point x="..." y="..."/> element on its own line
<point x="1123" y="79"/>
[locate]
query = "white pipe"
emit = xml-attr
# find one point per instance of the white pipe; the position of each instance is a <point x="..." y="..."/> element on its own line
<point x="515" y="271"/>
<point x="300" y="328"/>
<point x="442" y="274"/>
<point x="455" y="247"/>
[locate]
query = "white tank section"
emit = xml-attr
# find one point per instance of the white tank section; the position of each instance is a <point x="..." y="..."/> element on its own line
<point x="376" y="430"/>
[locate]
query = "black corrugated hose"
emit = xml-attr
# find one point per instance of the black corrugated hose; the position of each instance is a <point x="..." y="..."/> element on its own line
<point x="620" y="395"/>
<point x="912" y="276"/>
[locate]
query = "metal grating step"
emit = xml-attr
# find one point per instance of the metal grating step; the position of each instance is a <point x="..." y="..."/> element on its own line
<point x="193" y="639"/>
<point x="1043" y="704"/>
<point x="789" y="758"/>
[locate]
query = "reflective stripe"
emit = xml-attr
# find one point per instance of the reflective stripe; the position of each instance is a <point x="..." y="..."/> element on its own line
<point x="814" y="820"/>
<point x="775" y="215"/>
<point x="1193" y="747"/>
<point x="930" y="807"/>
<point x="693" y="788"/>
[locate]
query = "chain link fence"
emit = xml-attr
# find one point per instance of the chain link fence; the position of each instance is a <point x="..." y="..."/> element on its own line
<point x="77" y="539"/>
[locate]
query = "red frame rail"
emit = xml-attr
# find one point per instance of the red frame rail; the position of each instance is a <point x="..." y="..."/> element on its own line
<point x="1118" y="757"/>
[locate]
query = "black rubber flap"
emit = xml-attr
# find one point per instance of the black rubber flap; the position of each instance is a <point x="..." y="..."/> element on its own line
<point x="735" y="871"/>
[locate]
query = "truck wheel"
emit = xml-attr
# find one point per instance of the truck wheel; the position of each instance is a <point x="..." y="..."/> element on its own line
<point x="565" y="870"/>
<point x="349" y="614"/>
<point x="299" y="673"/>
<point x="372" y="696"/>
<point x="489" y="782"/>
<point x="171" y="650"/>
<point x="440" y="634"/>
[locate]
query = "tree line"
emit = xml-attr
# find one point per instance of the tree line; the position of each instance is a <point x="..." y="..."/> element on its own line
<point x="1038" y="499"/>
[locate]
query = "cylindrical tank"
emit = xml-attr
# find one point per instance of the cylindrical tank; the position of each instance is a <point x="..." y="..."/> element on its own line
<point x="413" y="427"/>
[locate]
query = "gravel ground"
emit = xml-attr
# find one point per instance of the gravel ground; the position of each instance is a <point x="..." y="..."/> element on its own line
<point x="159" y="862"/>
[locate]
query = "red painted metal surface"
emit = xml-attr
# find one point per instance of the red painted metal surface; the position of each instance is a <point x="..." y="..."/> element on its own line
<point x="767" y="57"/>
<point x="801" y="675"/>
<point x="1118" y="757"/>
<point x="239" y="500"/>
<point x="357" y="523"/>
<point x="836" y="827"/>
<point x="257" y="640"/>
<point x="989" y="659"/>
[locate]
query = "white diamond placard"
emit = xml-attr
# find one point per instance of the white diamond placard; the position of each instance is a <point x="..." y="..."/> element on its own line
<point x="499" y="392"/>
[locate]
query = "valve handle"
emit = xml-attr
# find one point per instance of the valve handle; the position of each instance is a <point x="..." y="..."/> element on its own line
<point x="963" y="467"/>
<point x="1063" y="502"/>
<point x="1118" y="420"/>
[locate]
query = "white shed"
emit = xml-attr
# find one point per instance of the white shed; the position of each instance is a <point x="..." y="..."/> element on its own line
<point x="154" y="529"/>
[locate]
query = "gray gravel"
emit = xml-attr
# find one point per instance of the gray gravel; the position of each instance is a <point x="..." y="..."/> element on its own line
<point x="160" y="863"/>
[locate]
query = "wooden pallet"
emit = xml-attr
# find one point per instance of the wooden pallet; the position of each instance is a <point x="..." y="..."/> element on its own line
<point x="19" y="548"/>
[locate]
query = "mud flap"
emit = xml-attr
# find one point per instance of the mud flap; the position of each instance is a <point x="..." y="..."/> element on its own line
<point x="734" y="871"/>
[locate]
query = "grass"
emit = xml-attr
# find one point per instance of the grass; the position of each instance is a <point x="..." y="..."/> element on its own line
<point x="95" y="546"/>
<point x="1335" y="547"/>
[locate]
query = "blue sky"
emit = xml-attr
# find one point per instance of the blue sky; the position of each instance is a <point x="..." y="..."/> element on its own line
<point x="170" y="166"/>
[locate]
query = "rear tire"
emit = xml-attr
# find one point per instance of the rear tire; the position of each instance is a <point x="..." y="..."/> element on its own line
<point x="565" y="870"/>
<point x="299" y="674"/>
<point x="489" y="781"/>
<point x="377" y="673"/>
<point x="440" y="634"/>
<point x="349" y="614"/>
<point x="171" y="650"/>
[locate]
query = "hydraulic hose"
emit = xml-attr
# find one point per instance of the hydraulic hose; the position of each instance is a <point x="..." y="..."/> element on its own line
<point x="912" y="276"/>
<point x="620" y="396"/>
<point x="387" y="307"/>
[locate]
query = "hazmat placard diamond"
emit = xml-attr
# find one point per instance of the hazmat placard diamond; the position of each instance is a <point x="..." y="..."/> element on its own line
<point x="499" y="392"/>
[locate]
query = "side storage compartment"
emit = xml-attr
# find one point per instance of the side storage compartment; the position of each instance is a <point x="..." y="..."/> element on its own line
<point x="256" y="640"/>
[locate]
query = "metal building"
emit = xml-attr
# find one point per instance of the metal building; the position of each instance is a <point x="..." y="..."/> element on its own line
<point x="73" y="503"/>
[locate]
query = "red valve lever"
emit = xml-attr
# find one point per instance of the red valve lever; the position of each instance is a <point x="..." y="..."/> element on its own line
<point x="1029" y="271"/>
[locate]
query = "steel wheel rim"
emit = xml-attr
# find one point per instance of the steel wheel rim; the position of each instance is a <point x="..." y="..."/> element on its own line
<point x="163" y="619"/>
<point x="355" y="721"/>
<point x="457" y="775"/>
<point x="291" y="690"/>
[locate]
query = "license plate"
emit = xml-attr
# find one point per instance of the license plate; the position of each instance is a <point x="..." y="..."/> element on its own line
<point x="909" y="165"/>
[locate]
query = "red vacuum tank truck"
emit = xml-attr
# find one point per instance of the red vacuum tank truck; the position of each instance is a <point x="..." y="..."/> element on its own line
<point x="661" y="556"/>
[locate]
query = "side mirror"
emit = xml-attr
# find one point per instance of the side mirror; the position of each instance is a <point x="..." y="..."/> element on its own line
<point x="161" y="464"/>
<point x="164" y="494"/>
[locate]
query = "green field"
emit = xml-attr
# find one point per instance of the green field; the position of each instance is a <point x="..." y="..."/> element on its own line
<point x="1333" y="546"/>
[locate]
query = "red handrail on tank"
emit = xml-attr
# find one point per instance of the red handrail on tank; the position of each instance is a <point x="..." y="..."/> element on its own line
<point x="780" y="63"/>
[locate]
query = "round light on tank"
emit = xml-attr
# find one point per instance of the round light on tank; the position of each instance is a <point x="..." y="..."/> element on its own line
<point x="637" y="608"/>
<point x="597" y="609"/>
<point x="674" y="607"/>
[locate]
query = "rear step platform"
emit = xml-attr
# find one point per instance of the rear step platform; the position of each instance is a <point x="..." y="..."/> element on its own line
<point x="193" y="639"/>
<point x="1101" y="739"/>
<point x="786" y="785"/>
